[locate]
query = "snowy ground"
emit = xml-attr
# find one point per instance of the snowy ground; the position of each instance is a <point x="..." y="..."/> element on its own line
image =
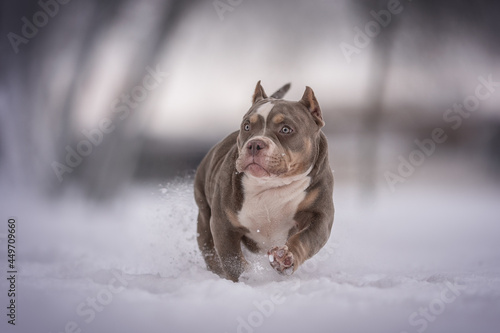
<point x="423" y="259"/>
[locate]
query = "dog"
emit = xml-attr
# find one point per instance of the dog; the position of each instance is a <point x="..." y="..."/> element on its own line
<point x="268" y="186"/>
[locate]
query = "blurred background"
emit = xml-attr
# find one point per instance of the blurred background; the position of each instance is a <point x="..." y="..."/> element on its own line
<point x="107" y="107"/>
<point x="140" y="90"/>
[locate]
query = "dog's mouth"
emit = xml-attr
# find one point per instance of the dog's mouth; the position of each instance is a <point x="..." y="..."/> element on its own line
<point x="256" y="170"/>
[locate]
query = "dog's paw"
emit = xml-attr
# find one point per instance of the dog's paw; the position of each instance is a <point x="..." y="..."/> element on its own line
<point x="281" y="259"/>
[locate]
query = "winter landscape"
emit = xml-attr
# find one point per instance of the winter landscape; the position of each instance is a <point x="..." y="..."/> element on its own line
<point x="106" y="109"/>
<point x="418" y="260"/>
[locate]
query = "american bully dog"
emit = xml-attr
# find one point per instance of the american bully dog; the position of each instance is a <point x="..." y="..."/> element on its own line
<point x="268" y="186"/>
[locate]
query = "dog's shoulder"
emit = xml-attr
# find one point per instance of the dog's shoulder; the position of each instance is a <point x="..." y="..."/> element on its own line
<point x="219" y="162"/>
<point x="220" y="152"/>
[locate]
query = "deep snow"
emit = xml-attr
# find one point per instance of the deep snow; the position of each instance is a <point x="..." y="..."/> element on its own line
<point x="423" y="259"/>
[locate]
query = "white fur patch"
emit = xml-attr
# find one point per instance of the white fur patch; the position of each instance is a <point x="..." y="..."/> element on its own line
<point x="268" y="210"/>
<point x="264" y="109"/>
<point x="273" y="181"/>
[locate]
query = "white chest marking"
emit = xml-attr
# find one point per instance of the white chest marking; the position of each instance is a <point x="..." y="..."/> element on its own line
<point x="268" y="213"/>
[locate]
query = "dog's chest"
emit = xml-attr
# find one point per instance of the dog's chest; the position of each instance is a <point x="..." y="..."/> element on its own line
<point x="268" y="214"/>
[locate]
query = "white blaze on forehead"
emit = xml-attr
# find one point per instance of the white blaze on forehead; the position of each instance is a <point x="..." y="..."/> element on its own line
<point x="264" y="109"/>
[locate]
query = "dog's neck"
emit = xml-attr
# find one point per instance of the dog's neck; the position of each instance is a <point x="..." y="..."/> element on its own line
<point x="255" y="185"/>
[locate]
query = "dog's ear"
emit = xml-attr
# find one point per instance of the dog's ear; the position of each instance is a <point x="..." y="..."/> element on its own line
<point x="278" y="94"/>
<point x="259" y="93"/>
<point x="311" y="103"/>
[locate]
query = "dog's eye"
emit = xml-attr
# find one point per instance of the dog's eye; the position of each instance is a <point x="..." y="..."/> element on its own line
<point x="246" y="127"/>
<point x="286" y="130"/>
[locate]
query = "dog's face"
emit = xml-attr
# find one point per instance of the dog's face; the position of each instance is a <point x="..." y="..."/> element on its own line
<point x="278" y="138"/>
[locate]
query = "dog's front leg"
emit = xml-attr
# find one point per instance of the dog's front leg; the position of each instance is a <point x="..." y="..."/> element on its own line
<point x="302" y="245"/>
<point x="227" y="243"/>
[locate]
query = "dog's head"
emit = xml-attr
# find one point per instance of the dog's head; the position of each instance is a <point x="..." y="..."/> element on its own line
<point x="278" y="138"/>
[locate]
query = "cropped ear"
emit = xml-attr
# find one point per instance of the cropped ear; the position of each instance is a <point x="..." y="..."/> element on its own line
<point x="259" y="93"/>
<point x="310" y="102"/>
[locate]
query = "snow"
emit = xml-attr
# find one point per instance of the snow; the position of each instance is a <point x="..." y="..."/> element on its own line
<point x="423" y="259"/>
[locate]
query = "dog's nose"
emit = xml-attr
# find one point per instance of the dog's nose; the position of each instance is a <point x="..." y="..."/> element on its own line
<point x="255" y="146"/>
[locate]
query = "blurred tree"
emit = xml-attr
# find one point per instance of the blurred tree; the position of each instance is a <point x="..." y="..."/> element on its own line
<point x="23" y="74"/>
<point x="438" y="21"/>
